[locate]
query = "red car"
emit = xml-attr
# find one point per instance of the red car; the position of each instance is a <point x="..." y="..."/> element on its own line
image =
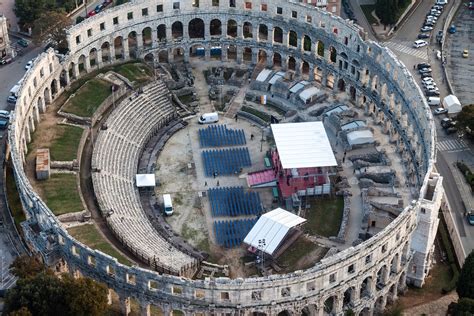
<point x="91" y="13"/>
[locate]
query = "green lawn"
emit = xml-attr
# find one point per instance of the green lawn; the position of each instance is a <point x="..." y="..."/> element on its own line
<point x="13" y="198"/>
<point x="135" y="72"/>
<point x="88" y="98"/>
<point x="324" y="216"/>
<point x="300" y="248"/>
<point x="89" y="235"/>
<point x="65" y="144"/>
<point x="368" y="9"/>
<point x="61" y="194"/>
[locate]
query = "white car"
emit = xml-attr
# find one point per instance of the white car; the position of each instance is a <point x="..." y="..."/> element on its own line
<point x="427" y="80"/>
<point x="439" y="111"/>
<point x="29" y="64"/>
<point x="426" y="28"/>
<point x="420" y="43"/>
<point x="426" y="84"/>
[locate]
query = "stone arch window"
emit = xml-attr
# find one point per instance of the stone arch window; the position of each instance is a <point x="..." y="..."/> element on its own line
<point x="291" y="63"/>
<point x="332" y="54"/>
<point x="232" y="28"/>
<point x="330" y="305"/>
<point x="146" y="37"/>
<point x="177" y="29"/>
<point x="293" y="39"/>
<point x="93" y="56"/>
<point x="196" y="28"/>
<point x="105" y="49"/>
<point x="247" y="30"/>
<point x="320" y="48"/>
<point x="215" y="27"/>
<point x="161" y="32"/>
<point x="262" y="32"/>
<point x="278" y="35"/>
<point x="307" y="43"/>
<point x="276" y="60"/>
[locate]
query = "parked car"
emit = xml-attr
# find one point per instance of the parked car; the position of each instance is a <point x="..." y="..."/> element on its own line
<point x="3" y="123"/>
<point x="432" y="93"/>
<point x="424" y="70"/>
<point x="465" y="53"/>
<point x="426" y="28"/>
<point x="11" y="99"/>
<point x="106" y="2"/>
<point x="5" y="114"/>
<point x="452" y="29"/>
<point x="439" y="111"/>
<point x="446" y="122"/>
<point x="423" y="36"/>
<point x="426" y="75"/>
<point x="91" y="13"/>
<point x="22" y="42"/>
<point x="98" y="8"/>
<point x="423" y="65"/>
<point x="470" y="217"/>
<point x="5" y="60"/>
<point x="419" y="43"/>
<point x="29" y="64"/>
<point x="471" y="5"/>
<point x="431" y="17"/>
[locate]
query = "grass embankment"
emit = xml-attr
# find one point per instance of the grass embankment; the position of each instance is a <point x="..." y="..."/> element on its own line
<point x="135" y="72"/>
<point x="61" y="194"/>
<point x="13" y="198"/>
<point x="324" y="216"/>
<point x="88" y="98"/>
<point x="262" y="115"/>
<point x="64" y="145"/>
<point x="90" y="236"/>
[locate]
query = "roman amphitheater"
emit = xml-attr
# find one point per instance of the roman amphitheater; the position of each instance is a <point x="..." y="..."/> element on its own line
<point x="390" y="189"/>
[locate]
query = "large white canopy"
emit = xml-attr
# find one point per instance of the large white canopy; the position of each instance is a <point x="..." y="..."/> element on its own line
<point x="271" y="228"/>
<point x="452" y="104"/>
<point x="303" y="145"/>
<point x="145" y="180"/>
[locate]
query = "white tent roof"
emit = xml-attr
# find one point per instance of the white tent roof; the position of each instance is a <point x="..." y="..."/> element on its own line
<point x="276" y="76"/>
<point x="308" y="93"/>
<point x="272" y="227"/>
<point x="303" y="145"/>
<point x="452" y="104"/>
<point x="360" y="137"/>
<point x="263" y="75"/>
<point x="145" y="180"/>
<point x="298" y="86"/>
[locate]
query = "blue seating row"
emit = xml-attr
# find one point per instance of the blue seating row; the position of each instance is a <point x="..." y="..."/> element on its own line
<point x="234" y="201"/>
<point x="220" y="135"/>
<point x="225" y="161"/>
<point x="231" y="233"/>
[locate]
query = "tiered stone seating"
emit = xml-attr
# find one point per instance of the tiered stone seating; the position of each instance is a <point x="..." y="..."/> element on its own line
<point x="114" y="162"/>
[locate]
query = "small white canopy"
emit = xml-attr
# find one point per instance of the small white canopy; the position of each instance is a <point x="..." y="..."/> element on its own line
<point x="276" y="76"/>
<point x="307" y="94"/>
<point x="298" y="86"/>
<point x="263" y="75"/>
<point x="145" y="180"/>
<point x="452" y="104"/>
<point x="271" y="228"/>
<point x="303" y="145"/>
<point x="360" y="137"/>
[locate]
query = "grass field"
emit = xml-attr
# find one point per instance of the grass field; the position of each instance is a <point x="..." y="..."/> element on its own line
<point x="300" y="248"/>
<point x="60" y="193"/>
<point x="64" y="146"/>
<point x="14" y="198"/>
<point x="88" y="98"/>
<point x="368" y="9"/>
<point x="324" y="216"/>
<point x="90" y="236"/>
<point x="135" y="72"/>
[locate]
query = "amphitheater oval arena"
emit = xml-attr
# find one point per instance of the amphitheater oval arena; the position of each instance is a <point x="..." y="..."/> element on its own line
<point x="291" y="37"/>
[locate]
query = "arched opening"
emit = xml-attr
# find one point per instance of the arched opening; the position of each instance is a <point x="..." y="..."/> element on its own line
<point x="232" y="28"/>
<point x="196" y="28"/>
<point x="161" y="32"/>
<point x="330" y="305"/>
<point x="366" y="288"/>
<point x="276" y="60"/>
<point x="277" y="35"/>
<point x="163" y="56"/>
<point x="146" y="35"/>
<point x="330" y="81"/>
<point x="63" y="81"/>
<point x="178" y="54"/>
<point x="82" y="63"/>
<point x="262" y="32"/>
<point x="177" y="29"/>
<point x="149" y="59"/>
<point x="401" y="281"/>
<point x="47" y="96"/>
<point x="332" y="54"/>
<point x="258" y="314"/>
<point x="118" y="47"/>
<point x="93" y="57"/>
<point x="247" y="54"/>
<point x="365" y="312"/>
<point x="247" y="30"/>
<point x="284" y="313"/>
<point x="320" y="48"/>
<point x="215" y="27"/>
<point x="309" y="310"/>
<point x="348" y="298"/>
<point x="132" y="44"/>
<point x="177" y="312"/>
<point x="105" y="49"/>
<point x="382" y="276"/>
<point x="318" y="74"/>
<point x="341" y="85"/>
<point x="197" y="51"/>
<point x="262" y="56"/>
<point x="307" y="43"/>
<point x="305" y="69"/>
<point x="232" y="52"/>
<point x="394" y="263"/>
<point x="71" y="71"/>
<point x="379" y="304"/>
<point x="352" y="92"/>
<point x="291" y="63"/>
<point x="216" y="52"/>
<point x="40" y="105"/>
<point x="293" y="39"/>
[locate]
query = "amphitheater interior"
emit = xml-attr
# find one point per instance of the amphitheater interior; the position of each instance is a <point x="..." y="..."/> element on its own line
<point x="198" y="48"/>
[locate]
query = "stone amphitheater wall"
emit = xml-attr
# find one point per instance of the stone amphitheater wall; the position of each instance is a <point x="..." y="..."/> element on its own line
<point x="363" y="278"/>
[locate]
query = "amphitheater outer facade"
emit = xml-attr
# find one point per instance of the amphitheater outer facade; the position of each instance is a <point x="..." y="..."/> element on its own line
<point x="301" y="39"/>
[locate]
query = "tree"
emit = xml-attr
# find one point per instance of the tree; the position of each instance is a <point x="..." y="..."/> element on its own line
<point x="465" y="287"/>
<point x="21" y="312"/>
<point x="466" y="119"/>
<point x="26" y="267"/>
<point x="51" y="27"/>
<point x="464" y="306"/>
<point x="28" y="11"/>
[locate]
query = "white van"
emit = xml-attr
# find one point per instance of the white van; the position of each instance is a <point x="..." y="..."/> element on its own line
<point x="419" y="43"/>
<point x="167" y="204"/>
<point x="434" y="101"/>
<point x="208" y="118"/>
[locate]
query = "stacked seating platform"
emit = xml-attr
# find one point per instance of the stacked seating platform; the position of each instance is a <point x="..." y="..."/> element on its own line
<point x="231" y="233"/>
<point x="220" y="135"/>
<point x="225" y="161"/>
<point x="234" y="201"/>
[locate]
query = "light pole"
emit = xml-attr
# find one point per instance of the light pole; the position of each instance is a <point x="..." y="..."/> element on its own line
<point x="261" y="246"/>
